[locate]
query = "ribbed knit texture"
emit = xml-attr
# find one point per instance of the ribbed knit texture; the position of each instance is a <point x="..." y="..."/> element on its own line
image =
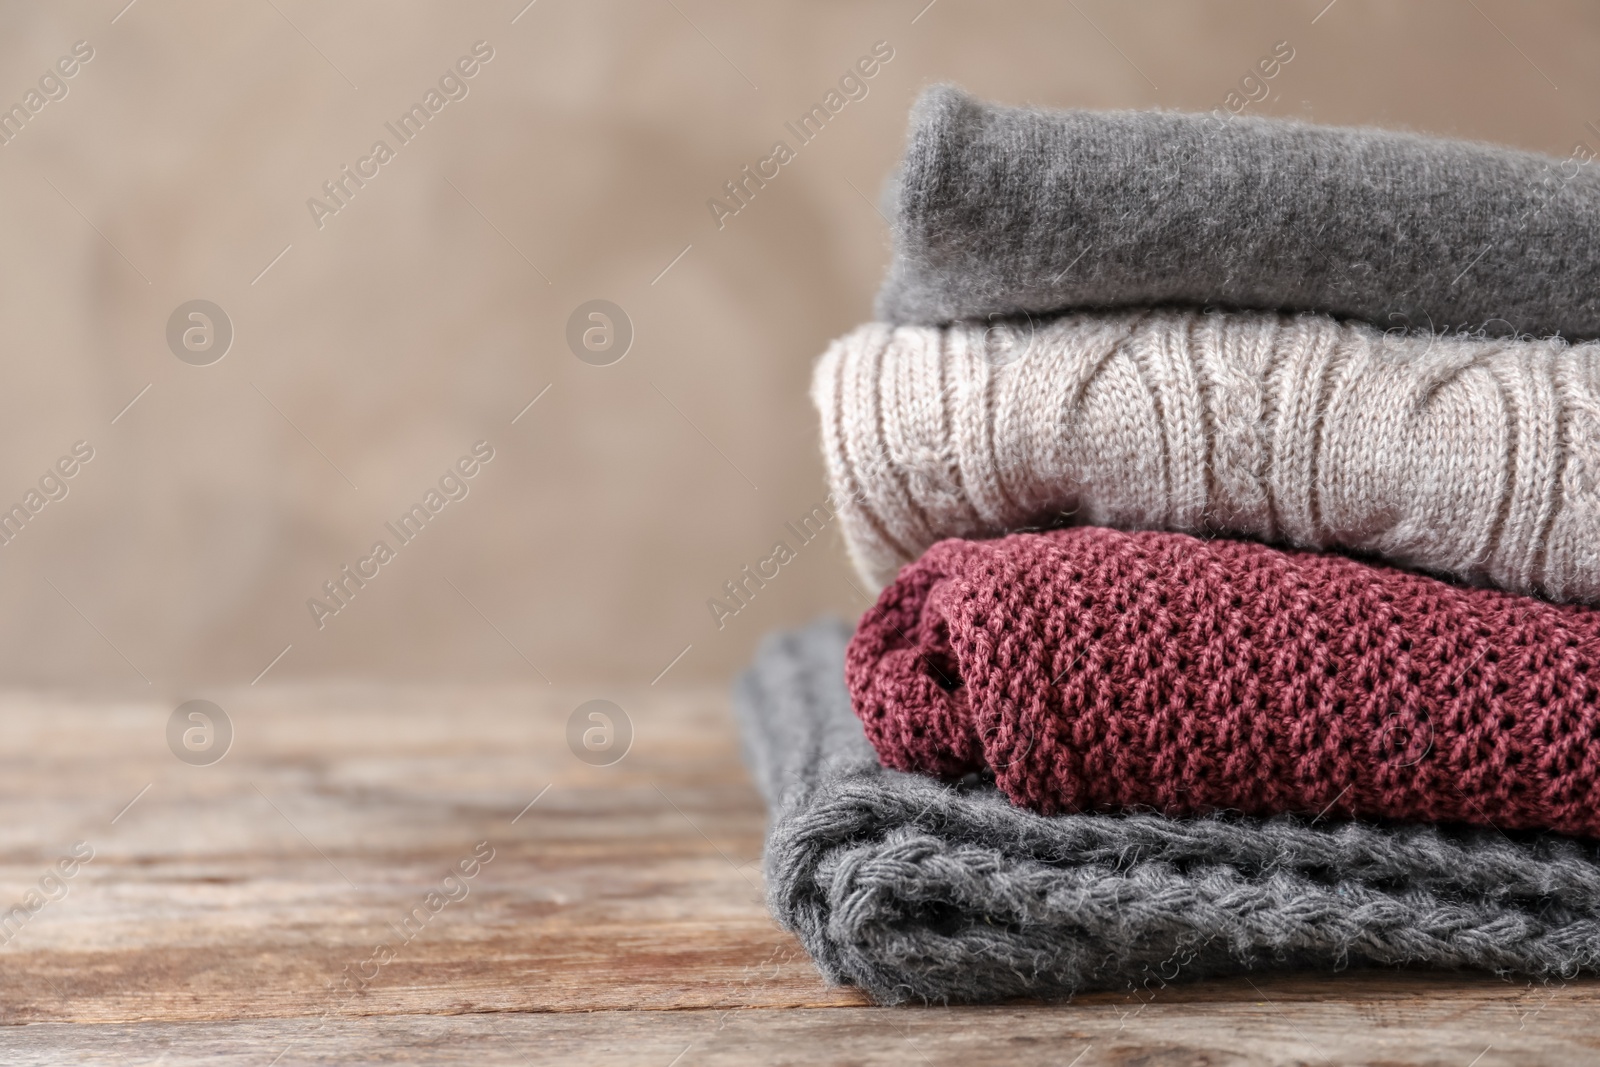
<point x="1091" y="669"/>
<point x="1474" y="458"/>
<point x="1004" y="210"/>
<point x="915" y="890"/>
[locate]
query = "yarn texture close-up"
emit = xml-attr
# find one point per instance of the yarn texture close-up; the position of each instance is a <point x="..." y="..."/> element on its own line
<point x="1091" y="669"/>
<point x="1001" y="210"/>
<point x="1467" y="457"/>
<point x="913" y="889"/>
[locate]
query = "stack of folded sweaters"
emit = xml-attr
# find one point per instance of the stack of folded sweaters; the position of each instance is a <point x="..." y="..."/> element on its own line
<point x="1237" y="490"/>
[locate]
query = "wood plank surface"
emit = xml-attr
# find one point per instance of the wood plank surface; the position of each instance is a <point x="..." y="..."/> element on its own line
<point x="237" y="913"/>
<point x="1447" y="1024"/>
<point x="246" y="888"/>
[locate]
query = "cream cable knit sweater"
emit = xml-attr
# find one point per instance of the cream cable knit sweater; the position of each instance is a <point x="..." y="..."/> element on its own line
<point x="1478" y="459"/>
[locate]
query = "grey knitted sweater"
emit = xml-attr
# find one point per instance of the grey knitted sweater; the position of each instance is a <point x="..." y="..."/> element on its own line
<point x="913" y="889"/>
<point x="1005" y="210"/>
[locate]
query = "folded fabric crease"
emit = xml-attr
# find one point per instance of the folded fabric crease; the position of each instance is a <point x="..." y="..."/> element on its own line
<point x="914" y="889"/>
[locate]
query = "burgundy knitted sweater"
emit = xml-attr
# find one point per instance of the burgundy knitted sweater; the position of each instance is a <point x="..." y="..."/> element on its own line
<point x="1091" y="669"/>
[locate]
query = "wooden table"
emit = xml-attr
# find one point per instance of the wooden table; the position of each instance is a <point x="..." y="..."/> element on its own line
<point x="231" y="913"/>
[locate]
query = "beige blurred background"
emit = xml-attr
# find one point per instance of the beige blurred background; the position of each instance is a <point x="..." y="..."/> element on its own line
<point x="433" y="307"/>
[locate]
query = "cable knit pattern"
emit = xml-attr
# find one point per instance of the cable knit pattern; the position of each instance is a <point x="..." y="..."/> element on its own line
<point x="1002" y="210"/>
<point x="912" y="889"/>
<point x="1091" y="669"/>
<point x="1478" y="459"/>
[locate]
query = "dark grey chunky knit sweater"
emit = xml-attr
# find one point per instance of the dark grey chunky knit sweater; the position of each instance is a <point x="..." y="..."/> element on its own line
<point x="913" y="889"/>
<point x="1006" y="210"/>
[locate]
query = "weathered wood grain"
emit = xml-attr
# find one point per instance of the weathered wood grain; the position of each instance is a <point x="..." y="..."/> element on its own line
<point x="1450" y="1030"/>
<point x="226" y="912"/>
<point x="244" y="889"/>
